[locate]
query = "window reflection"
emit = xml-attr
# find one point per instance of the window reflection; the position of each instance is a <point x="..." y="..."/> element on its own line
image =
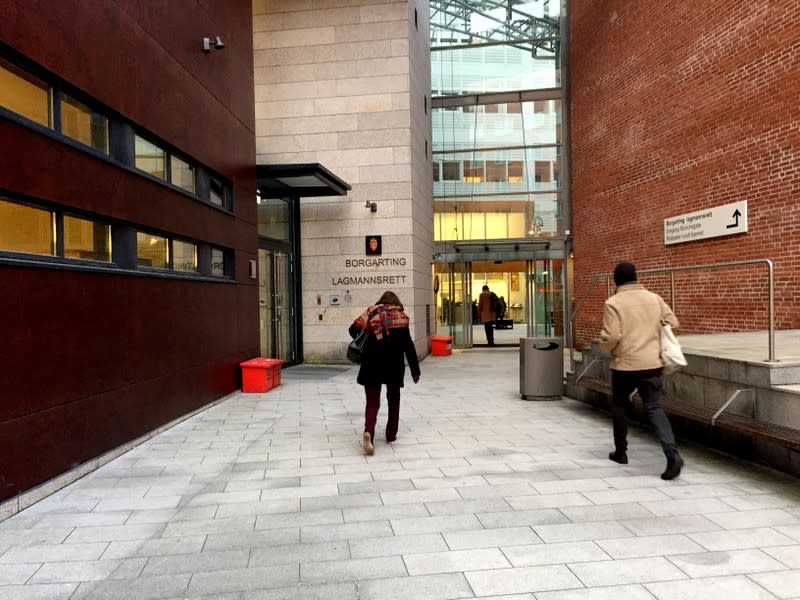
<point x="273" y="218"/>
<point x="184" y="256"/>
<point x="26" y="229"/>
<point x="216" y="192"/>
<point x="24" y="94"/>
<point x="81" y="123"/>
<point x="86" y="239"/>
<point x="182" y="174"/>
<point x="152" y="250"/>
<point x="217" y="262"/>
<point x="150" y="158"/>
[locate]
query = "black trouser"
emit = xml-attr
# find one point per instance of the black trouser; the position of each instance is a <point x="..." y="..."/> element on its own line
<point x="650" y="384"/>
<point x="489" y="329"/>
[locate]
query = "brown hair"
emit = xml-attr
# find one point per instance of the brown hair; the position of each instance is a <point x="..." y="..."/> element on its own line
<point x="390" y="298"/>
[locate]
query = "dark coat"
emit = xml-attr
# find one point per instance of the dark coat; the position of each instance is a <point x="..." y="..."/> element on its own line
<point x="383" y="359"/>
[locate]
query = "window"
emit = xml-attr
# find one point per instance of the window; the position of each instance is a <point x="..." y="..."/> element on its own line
<point x="150" y="158"/>
<point x="217" y="262"/>
<point x="515" y="171"/>
<point x="274" y="218"/>
<point x="86" y="239"/>
<point x="216" y="191"/>
<point x="24" y="94"/>
<point x="182" y="174"/>
<point x="83" y="124"/>
<point x="496" y="170"/>
<point x="184" y="256"/>
<point x="152" y="250"/>
<point x="436" y="167"/>
<point x="543" y="171"/>
<point x="26" y="229"/>
<point x="473" y="171"/>
<point x="451" y="170"/>
<point x="541" y="106"/>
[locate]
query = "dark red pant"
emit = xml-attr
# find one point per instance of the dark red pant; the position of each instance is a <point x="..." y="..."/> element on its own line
<point x="374" y="405"/>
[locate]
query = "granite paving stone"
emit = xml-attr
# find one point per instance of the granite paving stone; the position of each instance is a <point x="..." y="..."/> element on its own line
<point x="628" y="570"/>
<point x="616" y="592"/>
<point x="357" y="568"/>
<point x="17" y="573"/>
<point x="305" y="591"/>
<point x="75" y="571"/>
<point x="56" y="591"/>
<point x="735" y="587"/>
<point x="784" y="584"/>
<point x="733" y="562"/>
<point x="552" y="554"/>
<point x="522" y="579"/>
<point x="295" y="553"/>
<point x="788" y="555"/>
<point x="398" y="544"/>
<point x="737" y="539"/>
<point x="487" y="538"/>
<point x="455" y="561"/>
<point x="449" y="586"/>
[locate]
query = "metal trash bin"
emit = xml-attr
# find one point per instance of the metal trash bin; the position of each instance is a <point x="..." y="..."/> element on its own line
<point x="541" y="368"/>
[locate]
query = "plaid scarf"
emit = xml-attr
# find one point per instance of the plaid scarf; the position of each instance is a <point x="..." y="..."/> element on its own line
<point x="382" y="318"/>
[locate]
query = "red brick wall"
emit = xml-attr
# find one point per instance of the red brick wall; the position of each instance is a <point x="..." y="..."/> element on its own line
<point x="678" y="107"/>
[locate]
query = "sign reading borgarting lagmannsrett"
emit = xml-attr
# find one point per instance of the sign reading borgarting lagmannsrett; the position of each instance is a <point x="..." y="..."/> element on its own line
<point x="371" y="277"/>
<point x="709" y="223"/>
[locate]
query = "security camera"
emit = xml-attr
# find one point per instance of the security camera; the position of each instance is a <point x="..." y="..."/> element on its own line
<point x="212" y="42"/>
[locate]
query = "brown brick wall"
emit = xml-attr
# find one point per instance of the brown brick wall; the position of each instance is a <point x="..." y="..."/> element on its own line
<point x="677" y="107"/>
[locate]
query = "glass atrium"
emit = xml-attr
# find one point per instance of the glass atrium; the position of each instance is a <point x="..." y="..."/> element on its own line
<point x="498" y="168"/>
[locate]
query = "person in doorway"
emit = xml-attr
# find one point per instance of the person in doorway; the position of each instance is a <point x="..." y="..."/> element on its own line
<point x="501" y="308"/>
<point x="487" y="306"/>
<point x="383" y="364"/>
<point x="631" y="332"/>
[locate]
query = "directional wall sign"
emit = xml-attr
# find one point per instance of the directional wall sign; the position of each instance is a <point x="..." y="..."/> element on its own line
<point x="709" y="223"/>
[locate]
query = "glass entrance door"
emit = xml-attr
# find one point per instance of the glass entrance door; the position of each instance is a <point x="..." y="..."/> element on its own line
<point x="454" y="306"/>
<point x="276" y="304"/>
<point x="546" y="289"/>
<point x="531" y="292"/>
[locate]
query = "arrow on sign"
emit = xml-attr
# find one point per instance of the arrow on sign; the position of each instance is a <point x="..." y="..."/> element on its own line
<point x="735" y="224"/>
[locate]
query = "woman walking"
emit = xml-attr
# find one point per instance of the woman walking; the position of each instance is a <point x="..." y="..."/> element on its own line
<point x="382" y="364"/>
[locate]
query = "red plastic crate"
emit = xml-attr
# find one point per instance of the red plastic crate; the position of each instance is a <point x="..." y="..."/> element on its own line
<point x="275" y="368"/>
<point x="257" y="375"/>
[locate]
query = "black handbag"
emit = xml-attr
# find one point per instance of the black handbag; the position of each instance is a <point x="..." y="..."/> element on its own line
<point x="355" y="350"/>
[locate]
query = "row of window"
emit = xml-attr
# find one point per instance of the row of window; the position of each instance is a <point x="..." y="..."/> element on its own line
<point x="49" y="106"/>
<point x="29" y="229"/>
<point x="497" y="171"/>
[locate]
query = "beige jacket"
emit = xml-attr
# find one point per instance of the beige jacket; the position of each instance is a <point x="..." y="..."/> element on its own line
<point x="632" y="328"/>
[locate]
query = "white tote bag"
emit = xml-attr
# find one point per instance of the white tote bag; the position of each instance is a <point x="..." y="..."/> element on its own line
<point x="671" y="353"/>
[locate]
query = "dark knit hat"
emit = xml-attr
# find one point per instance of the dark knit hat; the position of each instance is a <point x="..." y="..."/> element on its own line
<point x="624" y="272"/>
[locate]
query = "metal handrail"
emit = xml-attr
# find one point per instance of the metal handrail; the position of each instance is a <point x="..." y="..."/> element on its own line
<point x="672" y="271"/>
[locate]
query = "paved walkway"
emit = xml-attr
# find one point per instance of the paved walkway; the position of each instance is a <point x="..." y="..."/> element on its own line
<point x="268" y="496"/>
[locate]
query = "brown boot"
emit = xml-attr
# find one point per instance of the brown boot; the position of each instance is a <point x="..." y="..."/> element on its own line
<point x="369" y="448"/>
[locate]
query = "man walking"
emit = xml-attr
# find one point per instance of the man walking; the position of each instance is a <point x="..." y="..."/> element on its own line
<point x="631" y="333"/>
<point x="487" y="305"/>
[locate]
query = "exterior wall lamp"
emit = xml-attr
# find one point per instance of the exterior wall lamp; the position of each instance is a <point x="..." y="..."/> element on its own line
<point x="372" y="206"/>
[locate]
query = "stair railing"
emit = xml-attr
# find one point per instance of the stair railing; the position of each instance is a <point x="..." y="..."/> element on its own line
<point x="672" y="270"/>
